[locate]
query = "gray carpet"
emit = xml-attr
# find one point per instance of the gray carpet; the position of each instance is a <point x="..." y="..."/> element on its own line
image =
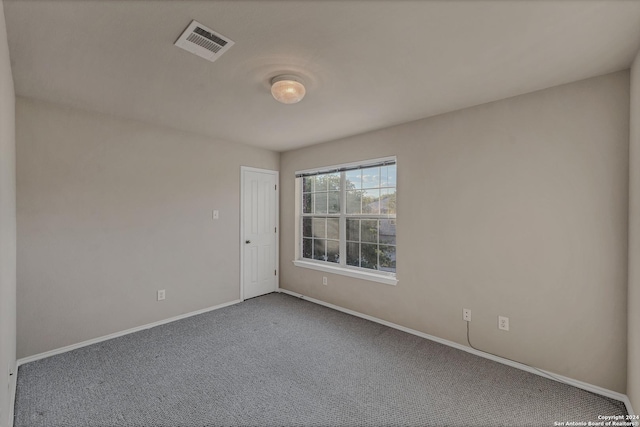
<point x="280" y="361"/>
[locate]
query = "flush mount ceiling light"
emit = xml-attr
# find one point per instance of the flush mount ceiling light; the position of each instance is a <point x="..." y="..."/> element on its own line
<point x="287" y="89"/>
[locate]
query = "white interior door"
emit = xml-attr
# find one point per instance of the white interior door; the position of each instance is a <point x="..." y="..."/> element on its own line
<point x="259" y="232"/>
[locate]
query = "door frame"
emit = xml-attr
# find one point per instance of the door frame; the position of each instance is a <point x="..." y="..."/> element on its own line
<point x="244" y="169"/>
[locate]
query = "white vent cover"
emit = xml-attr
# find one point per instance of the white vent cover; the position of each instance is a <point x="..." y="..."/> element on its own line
<point x="203" y="41"/>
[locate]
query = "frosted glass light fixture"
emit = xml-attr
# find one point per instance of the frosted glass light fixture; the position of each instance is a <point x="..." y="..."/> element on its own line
<point x="287" y="89"/>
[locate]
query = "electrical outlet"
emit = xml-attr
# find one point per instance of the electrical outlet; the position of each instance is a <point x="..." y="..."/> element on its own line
<point x="503" y="323"/>
<point x="466" y="314"/>
<point x="324" y="280"/>
<point x="216" y="214"/>
<point x="161" y="294"/>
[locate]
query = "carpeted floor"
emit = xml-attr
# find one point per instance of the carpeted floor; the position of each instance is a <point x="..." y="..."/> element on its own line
<point x="280" y="361"/>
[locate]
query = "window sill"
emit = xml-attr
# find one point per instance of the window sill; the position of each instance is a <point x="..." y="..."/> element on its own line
<point x="373" y="277"/>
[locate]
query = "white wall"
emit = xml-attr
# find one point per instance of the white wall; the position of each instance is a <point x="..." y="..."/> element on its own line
<point x="109" y="211"/>
<point x="7" y="228"/>
<point x="633" y="375"/>
<point x="515" y="208"/>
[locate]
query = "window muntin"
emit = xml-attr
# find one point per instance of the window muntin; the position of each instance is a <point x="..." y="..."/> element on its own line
<point x="371" y="243"/>
<point x="349" y="217"/>
<point x="321" y="238"/>
<point x="320" y="222"/>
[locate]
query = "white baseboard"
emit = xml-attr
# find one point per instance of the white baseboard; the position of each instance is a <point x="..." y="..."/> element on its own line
<point x="627" y="403"/>
<point x="12" y="393"/>
<point x="541" y="372"/>
<point x="119" y="334"/>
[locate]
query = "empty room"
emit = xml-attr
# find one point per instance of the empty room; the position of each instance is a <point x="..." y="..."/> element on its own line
<point x="319" y="213"/>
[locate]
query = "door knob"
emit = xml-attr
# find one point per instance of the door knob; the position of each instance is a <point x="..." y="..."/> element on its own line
<point x="247" y="241"/>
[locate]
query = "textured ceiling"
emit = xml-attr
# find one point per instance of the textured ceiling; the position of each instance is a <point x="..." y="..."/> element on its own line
<point x="367" y="65"/>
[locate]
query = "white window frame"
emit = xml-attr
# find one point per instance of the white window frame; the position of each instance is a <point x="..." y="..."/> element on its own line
<point x="387" y="278"/>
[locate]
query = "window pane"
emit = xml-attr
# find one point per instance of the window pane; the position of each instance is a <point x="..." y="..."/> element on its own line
<point x="306" y="227"/>
<point x="369" y="256"/>
<point x="354" y="199"/>
<point x="333" y="228"/>
<point x="388" y="176"/>
<point x="319" y="228"/>
<point x="353" y="230"/>
<point x="307" y="248"/>
<point x="319" y="246"/>
<point x="388" y="201"/>
<point x="306" y="184"/>
<point x="334" y="202"/>
<point x="320" y="202"/>
<point x="333" y="182"/>
<point x="371" y="177"/>
<point x="388" y="231"/>
<point x="320" y="182"/>
<point x="369" y="230"/>
<point x="371" y="201"/>
<point x="388" y="258"/>
<point x="333" y="251"/>
<point x="354" y="179"/>
<point x="306" y="203"/>
<point x="353" y="254"/>
<point x="368" y="207"/>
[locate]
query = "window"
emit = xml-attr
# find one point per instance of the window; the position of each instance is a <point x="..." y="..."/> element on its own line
<point x="348" y="219"/>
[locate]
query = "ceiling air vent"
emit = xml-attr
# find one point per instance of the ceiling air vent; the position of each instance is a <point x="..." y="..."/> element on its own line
<point x="203" y="41"/>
